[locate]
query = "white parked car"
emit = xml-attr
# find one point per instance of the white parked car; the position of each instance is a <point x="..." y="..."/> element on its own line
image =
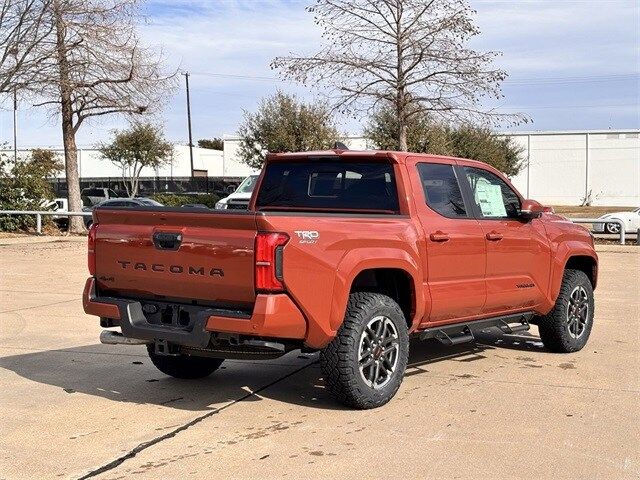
<point x="239" y="200"/>
<point x="631" y="221"/>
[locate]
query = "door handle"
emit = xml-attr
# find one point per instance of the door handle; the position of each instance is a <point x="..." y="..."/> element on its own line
<point x="439" y="236"/>
<point x="494" y="236"/>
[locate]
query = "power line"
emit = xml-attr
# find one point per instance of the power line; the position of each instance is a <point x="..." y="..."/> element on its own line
<point x="560" y="107"/>
<point x="574" y="79"/>
<point x="515" y="81"/>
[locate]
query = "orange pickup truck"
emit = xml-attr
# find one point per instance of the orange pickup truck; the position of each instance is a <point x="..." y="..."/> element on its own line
<point x="347" y="253"/>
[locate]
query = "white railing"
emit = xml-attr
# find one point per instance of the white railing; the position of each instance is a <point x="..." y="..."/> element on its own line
<point x="604" y="221"/>
<point x="39" y="215"/>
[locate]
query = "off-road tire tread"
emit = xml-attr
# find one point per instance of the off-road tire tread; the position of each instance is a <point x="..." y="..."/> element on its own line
<point x="184" y="366"/>
<point x="552" y="327"/>
<point x="342" y="376"/>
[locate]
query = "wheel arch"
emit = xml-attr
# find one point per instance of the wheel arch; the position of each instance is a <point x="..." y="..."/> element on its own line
<point x="571" y="255"/>
<point x="395" y="283"/>
<point x="586" y="264"/>
<point x="382" y="272"/>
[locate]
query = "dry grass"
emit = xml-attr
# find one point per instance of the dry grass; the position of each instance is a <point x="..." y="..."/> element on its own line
<point x="587" y="212"/>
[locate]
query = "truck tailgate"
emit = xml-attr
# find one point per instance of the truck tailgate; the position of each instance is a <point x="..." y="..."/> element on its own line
<point x="176" y="254"/>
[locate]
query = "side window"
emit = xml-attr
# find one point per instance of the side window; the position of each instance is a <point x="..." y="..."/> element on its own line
<point x="441" y="189"/>
<point x="495" y="199"/>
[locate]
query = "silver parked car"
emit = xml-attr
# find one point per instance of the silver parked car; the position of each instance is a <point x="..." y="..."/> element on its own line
<point x="121" y="202"/>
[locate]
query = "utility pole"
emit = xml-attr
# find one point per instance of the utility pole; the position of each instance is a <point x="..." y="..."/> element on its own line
<point x="186" y="77"/>
<point x="15" y="125"/>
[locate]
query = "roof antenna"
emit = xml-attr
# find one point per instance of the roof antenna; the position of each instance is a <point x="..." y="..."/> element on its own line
<point x="340" y="146"/>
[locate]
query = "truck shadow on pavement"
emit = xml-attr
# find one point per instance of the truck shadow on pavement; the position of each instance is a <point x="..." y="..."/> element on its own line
<point x="127" y="375"/>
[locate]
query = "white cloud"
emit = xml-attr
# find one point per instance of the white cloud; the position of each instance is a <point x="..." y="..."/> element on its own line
<point x="547" y="38"/>
<point x="539" y="39"/>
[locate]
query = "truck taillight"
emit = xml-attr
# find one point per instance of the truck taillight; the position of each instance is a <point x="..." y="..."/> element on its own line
<point x="91" y="249"/>
<point x="268" y="251"/>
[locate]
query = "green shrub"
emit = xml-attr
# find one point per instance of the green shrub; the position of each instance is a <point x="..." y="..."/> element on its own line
<point x="174" y="200"/>
<point x="24" y="186"/>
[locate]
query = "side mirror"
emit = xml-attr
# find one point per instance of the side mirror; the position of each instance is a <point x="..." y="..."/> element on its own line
<point x="531" y="209"/>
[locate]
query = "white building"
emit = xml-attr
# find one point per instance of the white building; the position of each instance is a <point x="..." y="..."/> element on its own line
<point x="560" y="168"/>
<point x="565" y="168"/>
<point x="206" y="162"/>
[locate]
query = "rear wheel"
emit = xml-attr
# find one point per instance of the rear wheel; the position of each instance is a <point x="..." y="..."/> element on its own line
<point x="184" y="366"/>
<point x="612" y="228"/>
<point x="364" y="365"/>
<point x="568" y="326"/>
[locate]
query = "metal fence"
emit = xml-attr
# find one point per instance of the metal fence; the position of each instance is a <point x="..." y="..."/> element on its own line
<point x="40" y="214"/>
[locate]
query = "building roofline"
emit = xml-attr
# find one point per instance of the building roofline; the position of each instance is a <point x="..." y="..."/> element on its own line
<point x="569" y="132"/>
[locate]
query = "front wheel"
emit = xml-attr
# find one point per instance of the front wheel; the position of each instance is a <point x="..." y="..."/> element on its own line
<point x="184" y="366"/>
<point x="567" y="327"/>
<point x="364" y="365"/>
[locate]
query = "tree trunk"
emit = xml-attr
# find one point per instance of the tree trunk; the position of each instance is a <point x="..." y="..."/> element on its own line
<point x="402" y="136"/>
<point x="401" y="116"/>
<point x="76" y="225"/>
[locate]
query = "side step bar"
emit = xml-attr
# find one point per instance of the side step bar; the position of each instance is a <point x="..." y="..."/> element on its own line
<point x="458" y="333"/>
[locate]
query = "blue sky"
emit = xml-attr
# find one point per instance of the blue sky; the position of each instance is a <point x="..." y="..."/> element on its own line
<point x="573" y="64"/>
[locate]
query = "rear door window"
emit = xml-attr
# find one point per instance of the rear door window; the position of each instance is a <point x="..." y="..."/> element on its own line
<point x="441" y="189"/>
<point x="329" y="185"/>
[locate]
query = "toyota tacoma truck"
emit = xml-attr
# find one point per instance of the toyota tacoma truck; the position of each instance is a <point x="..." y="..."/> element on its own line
<point x="346" y="253"/>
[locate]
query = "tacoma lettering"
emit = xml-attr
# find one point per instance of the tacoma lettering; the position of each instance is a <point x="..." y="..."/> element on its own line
<point x="175" y="269"/>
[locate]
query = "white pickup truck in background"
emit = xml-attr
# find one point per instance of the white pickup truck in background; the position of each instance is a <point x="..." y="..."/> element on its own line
<point x="239" y="200"/>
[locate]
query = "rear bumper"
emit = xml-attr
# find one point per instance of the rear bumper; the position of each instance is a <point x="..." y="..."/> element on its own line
<point x="273" y="316"/>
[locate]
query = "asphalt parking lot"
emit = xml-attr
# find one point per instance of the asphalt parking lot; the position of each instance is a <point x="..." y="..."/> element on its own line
<point x="500" y="408"/>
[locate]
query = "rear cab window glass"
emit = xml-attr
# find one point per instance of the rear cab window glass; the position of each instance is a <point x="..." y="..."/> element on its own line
<point x="329" y="185"/>
<point x="441" y="189"/>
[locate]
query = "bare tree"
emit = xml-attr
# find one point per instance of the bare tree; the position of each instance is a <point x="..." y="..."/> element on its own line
<point x="99" y="67"/>
<point x="412" y="55"/>
<point x="22" y="30"/>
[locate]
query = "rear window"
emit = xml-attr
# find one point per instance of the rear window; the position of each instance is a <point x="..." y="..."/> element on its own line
<point x="329" y="185"/>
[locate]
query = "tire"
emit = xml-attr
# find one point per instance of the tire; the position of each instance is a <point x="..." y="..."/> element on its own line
<point x="184" y="366"/>
<point x="567" y="327"/>
<point x="370" y="317"/>
<point x="613" y="228"/>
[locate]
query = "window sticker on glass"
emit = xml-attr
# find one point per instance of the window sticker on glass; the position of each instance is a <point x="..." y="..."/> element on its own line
<point x="489" y="197"/>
